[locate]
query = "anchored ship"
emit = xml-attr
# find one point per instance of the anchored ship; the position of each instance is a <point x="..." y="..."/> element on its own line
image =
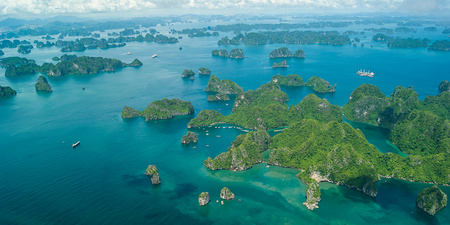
<point x="364" y="73"/>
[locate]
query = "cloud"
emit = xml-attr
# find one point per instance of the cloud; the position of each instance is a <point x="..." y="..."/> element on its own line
<point x="46" y="7"/>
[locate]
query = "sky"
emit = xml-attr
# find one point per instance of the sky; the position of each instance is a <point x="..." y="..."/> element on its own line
<point x="47" y="8"/>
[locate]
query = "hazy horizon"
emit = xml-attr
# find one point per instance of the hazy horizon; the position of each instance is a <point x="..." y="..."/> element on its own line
<point x="122" y="9"/>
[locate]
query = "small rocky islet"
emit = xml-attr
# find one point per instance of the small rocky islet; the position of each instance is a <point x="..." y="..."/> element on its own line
<point x="189" y="137"/>
<point x="152" y="172"/>
<point x="282" y="64"/>
<point x="431" y="200"/>
<point x="43" y="85"/>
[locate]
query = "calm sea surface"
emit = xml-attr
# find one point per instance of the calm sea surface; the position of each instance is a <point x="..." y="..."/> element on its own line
<point x="44" y="181"/>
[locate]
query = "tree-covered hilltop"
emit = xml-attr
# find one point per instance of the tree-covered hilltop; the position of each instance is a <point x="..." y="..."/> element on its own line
<point x="161" y="109"/>
<point x="20" y="70"/>
<point x="187" y="73"/>
<point x="288" y="37"/>
<point x="284" y="52"/>
<point x="440" y="46"/>
<point x="282" y="64"/>
<point x="431" y="200"/>
<point x="444" y="86"/>
<point x="1" y="53"/>
<point x="289" y="80"/>
<point x="446" y="31"/>
<point x="42" y="84"/>
<point x="422" y="133"/>
<point x="224" y="86"/>
<point x="319" y="85"/>
<point x="6" y="91"/>
<point x="204" y="71"/>
<point x="332" y="151"/>
<point x="243" y="153"/>
<point x="15" y="60"/>
<point x="266" y="109"/>
<point x="189" y="137"/>
<point x="418" y="127"/>
<point x="236" y="53"/>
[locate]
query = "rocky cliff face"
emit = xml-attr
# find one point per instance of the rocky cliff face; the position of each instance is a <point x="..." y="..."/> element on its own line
<point x="203" y="198"/>
<point x="42" y="84"/>
<point x="431" y="200"/>
<point x="152" y="172"/>
<point x="312" y="196"/>
<point x="226" y="194"/>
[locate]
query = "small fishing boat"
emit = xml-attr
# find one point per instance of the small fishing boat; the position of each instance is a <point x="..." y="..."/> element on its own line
<point x="154" y="56"/>
<point x="76" y="144"/>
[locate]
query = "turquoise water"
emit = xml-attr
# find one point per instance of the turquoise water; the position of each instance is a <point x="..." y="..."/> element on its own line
<point x="102" y="181"/>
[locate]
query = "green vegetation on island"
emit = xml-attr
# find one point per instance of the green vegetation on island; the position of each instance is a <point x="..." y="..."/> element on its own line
<point x="187" y="73"/>
<point x="444" y="86"/>
<point x="152" y="172"/>
<point x="2" y="53"/>
<point x="218" y="97"/>
<point x="24" y="49"/>
<point x="226" y="194"/>
<point x="189" y="137"/>
<point x="288" y="37"/>
<point x="160" y="109"/>
<point x="431" y="200"/>
<point x="284" y="52"/>
<point x="243" y="153"/>
<point x="236" y="53"/>
<point x="204" y="71"/>
<point x="203" y="198"/>
<point x="224" y="86"/>
<point x="69" y="64"/>
<point x="312" y="195"/>
<point x="42" y="84"/>
<point x="333" y="152"/>
<point x="401" y="42"/>
<point x="282" y="64"/>
<point x="266" y="109"/>
<point x="7" y="91"/>
<point x="440" y="46"/>
<point x="318" y="84"/>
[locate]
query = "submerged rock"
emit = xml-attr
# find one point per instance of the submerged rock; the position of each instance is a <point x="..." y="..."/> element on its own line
<point x="152" y="172"/>
<point x="226" y="194"/>
<point x="42" y="84"/>
<point x="203" y="198"/>
<point x="312" y="196"/>
<point x="431" y="200"/>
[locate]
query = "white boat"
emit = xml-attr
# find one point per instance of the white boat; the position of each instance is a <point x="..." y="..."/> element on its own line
<point x="128" y="53"/>
<point x="76" y="144"/>
<point x="154" y="56"/>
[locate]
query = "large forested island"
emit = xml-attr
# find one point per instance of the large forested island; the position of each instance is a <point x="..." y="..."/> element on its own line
<point x="236" y="53"/>
<point x="325" y="149"/>
<point x="69" y="64"/>
<point x="160" y="109"/>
